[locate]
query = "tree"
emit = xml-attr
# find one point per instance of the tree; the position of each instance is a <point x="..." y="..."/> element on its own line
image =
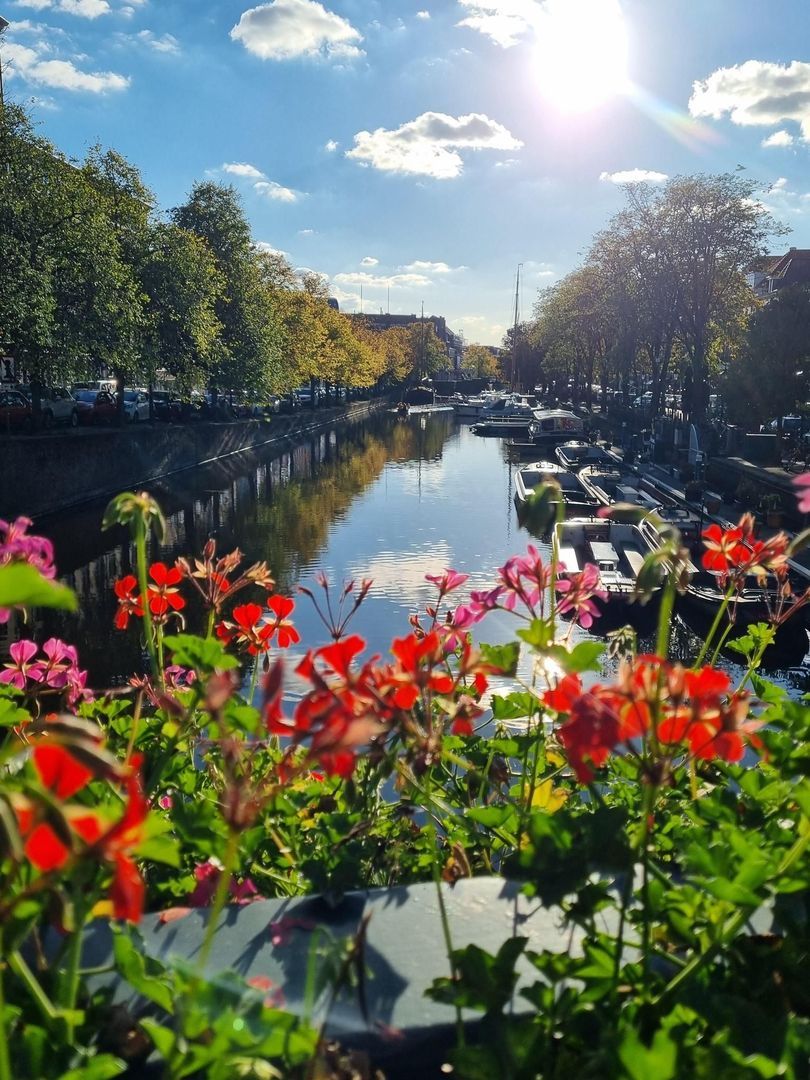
<point x="182" y="286"/>
<point x="771" y="374"/>
<point x="480" y="362"/>
<point x="250" y="356"/>
<point x="709" y="230"/>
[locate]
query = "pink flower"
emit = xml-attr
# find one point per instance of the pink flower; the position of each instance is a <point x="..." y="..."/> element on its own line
<point x="17" y="546"/>
<point x="448" y="581"/>
<point x="21" y="670"/>
<point x="207" y="875"/>
<point x="802" y="483"/>
<point x="578" y="592"/>
<point x="54" y="672"/>
<point x="281" y="931"/>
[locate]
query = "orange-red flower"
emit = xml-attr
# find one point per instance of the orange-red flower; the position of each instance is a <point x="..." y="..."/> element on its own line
<point x="724" y="549"/>
<point x="284" y="631"/>
<point x="129" y="601"/>
<point x="62" y="775"/>
<point x="162" y="595"/>
<point x="247" y="630"/>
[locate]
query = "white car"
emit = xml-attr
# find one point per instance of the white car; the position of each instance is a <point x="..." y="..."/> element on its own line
<point x="136" y="405"/>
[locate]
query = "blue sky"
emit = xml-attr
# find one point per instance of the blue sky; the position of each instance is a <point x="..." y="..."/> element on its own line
<point x="425" y="149"/>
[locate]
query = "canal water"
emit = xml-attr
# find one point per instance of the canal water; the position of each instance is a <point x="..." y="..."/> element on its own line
<point x="386" y="498"/>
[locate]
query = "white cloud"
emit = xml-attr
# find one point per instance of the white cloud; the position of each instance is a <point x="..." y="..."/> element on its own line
<point x="241" y="168"/>
<point x="287" y="29"/>
<point x="86" y="9"/>
<point x="271" y="190"/>
<point x="423" y="14"/>
<point x="165" y="44"/>
<point x="27" y="64"/>
<point x="778" y="138"/>
<point x="634" y="176"/>
<point x="306" y="232"/>
<point x="756" y="93"/>
<point x="778" y="185"/>
<point x="424" y="267"/>
<point x="507" y="163"/>
<point x="382" y="281"/>
<point x="503" y="21"/>
<point x="369" y="260"/>
<point x="331" y="146"/>
<point x="429" y="145"/>
<point x="262" y="245"/>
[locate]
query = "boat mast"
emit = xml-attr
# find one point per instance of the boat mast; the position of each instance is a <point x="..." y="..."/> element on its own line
<point x="515" y="326"/>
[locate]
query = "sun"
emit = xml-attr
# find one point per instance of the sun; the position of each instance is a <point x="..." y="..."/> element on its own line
<point x="581" y="53"/>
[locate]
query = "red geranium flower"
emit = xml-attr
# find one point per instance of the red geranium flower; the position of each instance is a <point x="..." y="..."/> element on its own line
<point x="247" y="629"/>
<point x="724" y="549"/>
<point x="163" y="596"/>
<point x="63" y="776"/>
<point x="285" y="632"/>
<point x="129" y="601"/>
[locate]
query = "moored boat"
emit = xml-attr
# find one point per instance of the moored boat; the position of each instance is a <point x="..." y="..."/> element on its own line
<point x="617" y="550"/>
<point x="552" y="426"/>
<point x="528" y="478"/>
<point x="576" y="454"/>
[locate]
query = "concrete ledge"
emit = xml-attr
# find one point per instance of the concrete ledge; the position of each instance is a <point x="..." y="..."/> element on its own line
<point x="48" y="473"/>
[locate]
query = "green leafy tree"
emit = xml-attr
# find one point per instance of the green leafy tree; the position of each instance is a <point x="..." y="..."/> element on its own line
<point x="251" y="341"/>
<point x="480" y="362"/>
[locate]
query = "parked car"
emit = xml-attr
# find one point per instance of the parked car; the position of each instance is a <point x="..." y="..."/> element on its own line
<point x="96" y="406"/>
<point x="15" y="411"/>
<point x="167" y="407"/>
<point x="136" y="405"/>
<point x="791" y="425"/>
<point x="57" y="403"/>
<point x="290" y="402"/>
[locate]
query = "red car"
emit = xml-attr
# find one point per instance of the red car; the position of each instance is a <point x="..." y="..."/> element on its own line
<point x="95" y="406"/>
<point x="15" y="411"/>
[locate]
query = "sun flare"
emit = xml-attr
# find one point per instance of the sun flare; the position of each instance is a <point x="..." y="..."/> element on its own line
<point x="581" y="53"/>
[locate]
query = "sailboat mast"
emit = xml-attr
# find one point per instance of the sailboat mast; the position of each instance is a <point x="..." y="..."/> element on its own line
<point x="515" y="326"/>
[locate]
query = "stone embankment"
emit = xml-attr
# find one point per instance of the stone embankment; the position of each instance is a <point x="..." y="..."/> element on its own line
<point x="44" y="474"/>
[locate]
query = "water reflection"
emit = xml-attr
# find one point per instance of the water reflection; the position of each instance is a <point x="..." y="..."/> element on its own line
<point x="387" y="498"/>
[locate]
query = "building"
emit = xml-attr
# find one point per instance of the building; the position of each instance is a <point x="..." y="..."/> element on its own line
<point x="453" y="343"/>
<point x="775" y="272"/>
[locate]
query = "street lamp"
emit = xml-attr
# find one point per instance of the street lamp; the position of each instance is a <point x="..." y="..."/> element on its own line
<point x="3" y="27"/>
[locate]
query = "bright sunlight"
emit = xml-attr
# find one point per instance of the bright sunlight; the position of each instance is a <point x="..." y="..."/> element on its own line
<point x="582" y="53"/>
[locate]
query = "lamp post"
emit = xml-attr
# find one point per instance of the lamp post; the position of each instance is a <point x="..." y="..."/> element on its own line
<point x="3" y="27"/>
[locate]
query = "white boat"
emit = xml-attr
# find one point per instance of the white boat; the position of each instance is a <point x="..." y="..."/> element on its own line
<point x="472" y="406"/>
<point x="509" y="416"/>
<point x="528" y="478"/>
<point x="617" y="549"/>
<point x="576" y="454"/>
<point x="553" y="426"/>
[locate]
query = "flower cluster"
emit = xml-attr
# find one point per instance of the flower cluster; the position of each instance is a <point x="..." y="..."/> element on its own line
<point x="55" y="668"/>
<point x="350" y="705"/>
<point x="662" y="704"/>
<point x="213" y="578"/>
<point x="253" y="628"/>
<point x="17" y="546"/>
<point x="86" y="833"/>
<point x="734" y="554"/>
<point x="163" y="596"/>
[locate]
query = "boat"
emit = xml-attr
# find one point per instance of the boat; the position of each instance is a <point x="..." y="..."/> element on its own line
<point x="509" y="416"/>
<point x="618" y="550"/>
<point x="576" y="454"/>
<point x="528" y="478"/>
<point x="552" y="426"/>
<point x="471" y="407"/>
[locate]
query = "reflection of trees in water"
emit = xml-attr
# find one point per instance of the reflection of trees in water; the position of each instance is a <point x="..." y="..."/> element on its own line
<point x="279" y="508"/>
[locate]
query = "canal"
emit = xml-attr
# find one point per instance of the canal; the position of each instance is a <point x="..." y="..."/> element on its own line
<point x="386" y="498"/>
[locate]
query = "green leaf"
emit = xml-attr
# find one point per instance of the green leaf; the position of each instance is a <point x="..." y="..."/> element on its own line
<point x="205" y="655"/>
<point x="539" y="634"/>
<point x="502" y="657"/>
<point x="161" y="1036"/>
<point x="22" y="585"/>
<point x="144" y="974"/>
<point x="520" y="703"/>
<point x="654" y="1062"/>
<point x="102" y="1067"/>
<point x="583" y="657"/>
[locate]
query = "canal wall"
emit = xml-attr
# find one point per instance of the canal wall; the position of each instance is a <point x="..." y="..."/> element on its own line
<point x="43" y="474"/>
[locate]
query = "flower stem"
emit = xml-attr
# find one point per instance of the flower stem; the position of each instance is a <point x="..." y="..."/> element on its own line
<point x="221" y="895"/>
<point x="714" y="628"/>
<point x="5" y="1061"/>
<point x="24" y="973"/>
<point x="448" y="940"/>
<point x="139" y="529"/>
